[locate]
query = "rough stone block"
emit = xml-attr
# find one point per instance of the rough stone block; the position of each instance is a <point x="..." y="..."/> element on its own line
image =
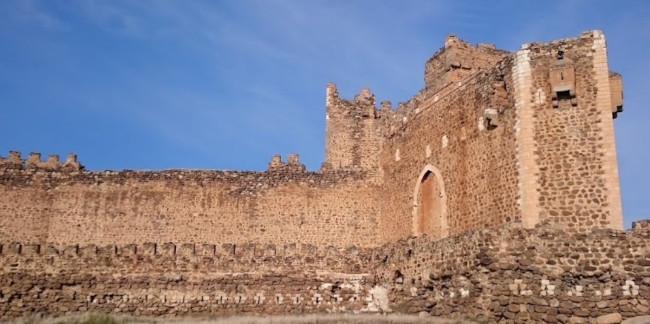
<point x="612" y="318"/>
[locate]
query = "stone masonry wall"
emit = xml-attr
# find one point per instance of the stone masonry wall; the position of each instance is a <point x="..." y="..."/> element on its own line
<point x="514" y="152"/>
<point x="501" y="138"/>
<point x="528" y="139"/>
<point x="281" y="205"/>
<point x="506" y="275"/>
<point x="457" y="60"/>
<point x="177" y="280"/>
<point x="577" y="175"/>
<point x="352" y="134"/>
<point x="515" y="275"/>
<point x="467" y="133"/>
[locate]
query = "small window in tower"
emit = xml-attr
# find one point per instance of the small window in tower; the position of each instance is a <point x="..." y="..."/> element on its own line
<point x="564" y="95"/>
<point x="489" y="124"/>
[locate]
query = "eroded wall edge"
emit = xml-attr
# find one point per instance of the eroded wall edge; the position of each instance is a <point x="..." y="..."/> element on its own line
<point x="524" y="126"/>
<point x="603" y="104"/>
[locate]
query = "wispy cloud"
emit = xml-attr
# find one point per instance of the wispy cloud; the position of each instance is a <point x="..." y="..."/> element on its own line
<point x="298" y="35"/>
<point x="30" y="12"/>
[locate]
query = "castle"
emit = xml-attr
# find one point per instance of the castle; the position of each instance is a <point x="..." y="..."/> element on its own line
<point x="502" y="166"/>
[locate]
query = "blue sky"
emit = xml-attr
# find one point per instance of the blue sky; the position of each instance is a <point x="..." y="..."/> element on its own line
<point x="157" y="84"/>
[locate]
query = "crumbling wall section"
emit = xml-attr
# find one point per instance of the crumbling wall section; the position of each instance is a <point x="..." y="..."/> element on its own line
<point x="182" y="280"/>
<point x="515" y="275"/>
<point x="352" y="133"/>
<point x="507" y="274"/>
<point x="457" y="60"/>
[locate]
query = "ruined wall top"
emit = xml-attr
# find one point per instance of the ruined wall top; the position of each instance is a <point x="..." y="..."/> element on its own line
<point x="458" y="59"/>
<point x="361" y="106"/>
<point x="293" y="164"/>
<point x="33" y="162"/>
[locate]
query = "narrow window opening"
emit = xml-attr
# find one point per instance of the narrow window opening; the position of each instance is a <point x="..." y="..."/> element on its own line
<point x="564" y="95"/>
<point x="564" y="99"/>
<point x="489" y="124"/>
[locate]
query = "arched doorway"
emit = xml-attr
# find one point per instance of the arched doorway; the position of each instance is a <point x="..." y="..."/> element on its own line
<point x="430" y="205"/>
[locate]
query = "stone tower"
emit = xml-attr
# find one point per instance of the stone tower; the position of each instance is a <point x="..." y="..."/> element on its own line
<point x="352" y="138"/>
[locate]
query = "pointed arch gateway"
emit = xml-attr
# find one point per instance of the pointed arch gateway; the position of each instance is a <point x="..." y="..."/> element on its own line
<point x="430" y="205"/>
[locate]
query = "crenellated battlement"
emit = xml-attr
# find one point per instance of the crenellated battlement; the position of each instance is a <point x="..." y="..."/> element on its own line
<point x="352" y="131"/>
<point x="466" y="275"/>
<point x="361" y="106"/>
<point x="34" y="162"/>
<point x="547" y="235"/>
<point x="244" y="250"/>
<point x="211" y="257"/>
<point x="293" y="164"/>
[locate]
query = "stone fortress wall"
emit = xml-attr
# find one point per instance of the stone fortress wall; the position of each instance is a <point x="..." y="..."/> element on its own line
<point x="516" y="275"/>
<point x="487" y="141"/>
<point x="506" y="275"/>
<point x="469" y="162"/>
<point x="283" y="204"/>
<point x="502" y="170"/>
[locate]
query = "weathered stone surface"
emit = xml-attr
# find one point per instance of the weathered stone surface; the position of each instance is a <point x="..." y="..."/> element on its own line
<point x="577" y="319"/>
<point x="613" y="318"/>
<point x="637" y="320"/>
<point x="436" y="277"/>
